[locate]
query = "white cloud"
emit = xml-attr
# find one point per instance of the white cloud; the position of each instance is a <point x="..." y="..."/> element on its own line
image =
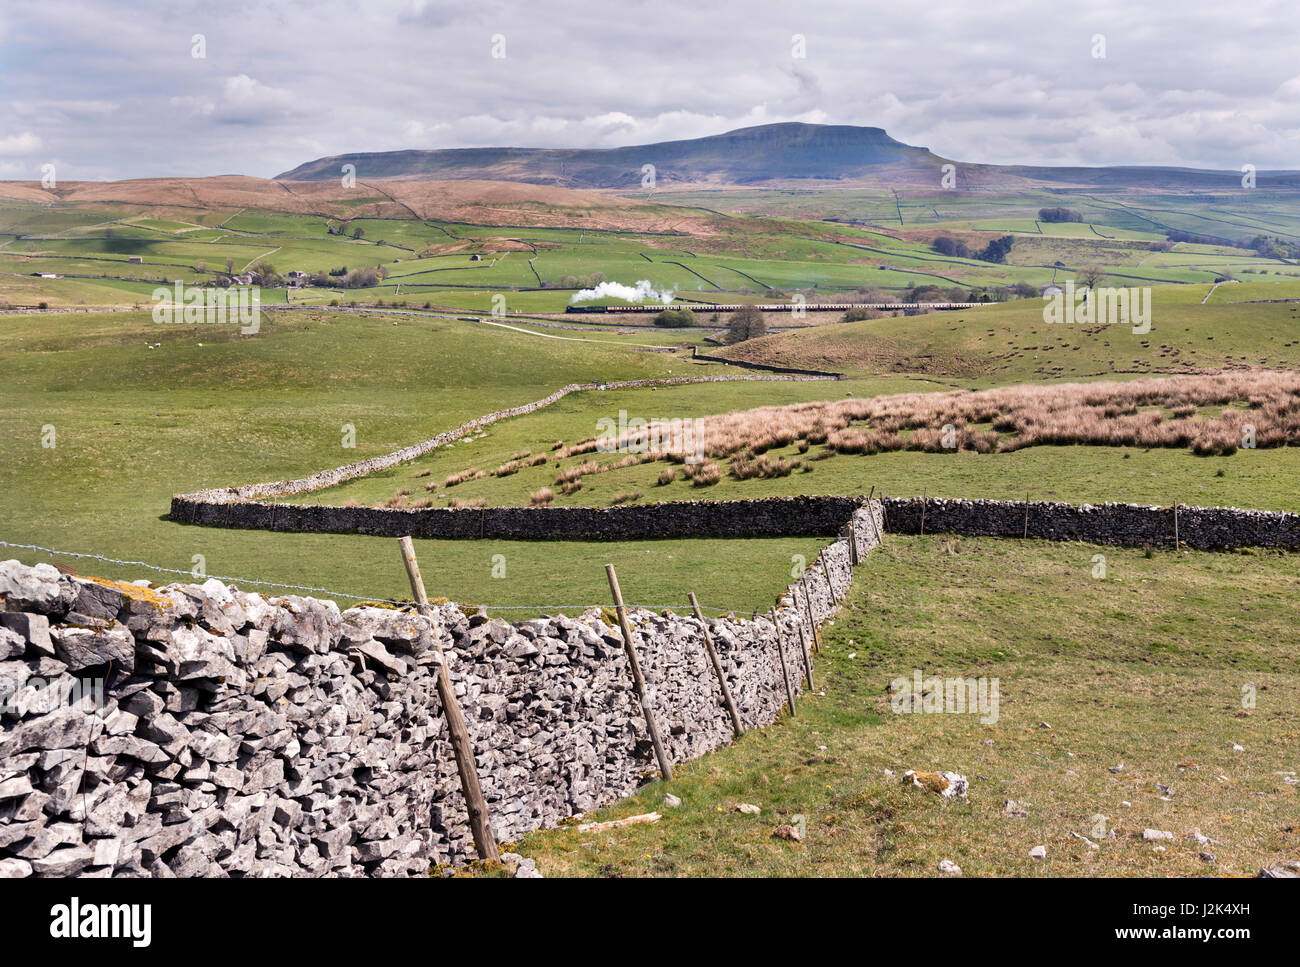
<point x="19" y="144"/>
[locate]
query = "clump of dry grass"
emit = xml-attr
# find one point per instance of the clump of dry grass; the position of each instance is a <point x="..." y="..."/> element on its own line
<point x="540" y="498"/>
<point x="745" y="466"/>
<point x="704" y="474"/>
<point x="472" y="473"/>
<point x="570" y="474"/>
<point x="667" y="476"/>
<point x="476" y="503"/>
<point x="570" y="487"/>
<point x="624" y="497"/>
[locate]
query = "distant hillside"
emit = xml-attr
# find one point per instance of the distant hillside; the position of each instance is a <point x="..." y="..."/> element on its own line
<point x="489" y="203"/>
<point x="769" y="154"/>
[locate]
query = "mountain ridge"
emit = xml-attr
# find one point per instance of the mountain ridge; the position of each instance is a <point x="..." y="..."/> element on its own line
<point x="768" y="155"/>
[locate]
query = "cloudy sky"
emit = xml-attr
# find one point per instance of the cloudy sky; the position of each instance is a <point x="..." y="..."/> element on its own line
<point x="116" y="90"/>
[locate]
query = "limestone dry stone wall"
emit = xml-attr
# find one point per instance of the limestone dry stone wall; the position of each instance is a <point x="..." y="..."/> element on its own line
<point x="203" y="731"/>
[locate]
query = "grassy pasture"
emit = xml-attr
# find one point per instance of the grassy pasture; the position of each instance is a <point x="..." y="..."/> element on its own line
<point x="208" y="407"/>
<point x="1006" y="343"/>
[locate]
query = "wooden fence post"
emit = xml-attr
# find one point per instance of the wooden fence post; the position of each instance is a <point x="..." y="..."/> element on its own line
<point x="717" y="670"/>
<point x="835" y="598"/>
<point x="460" y="744"/>
<point x="665" y="767"/>
<point x="923" y="492"/>
<point x="871" y="516"/>
<point x="807" y="662"/>
<point x="1026" y="533"/>
<point x="807" y="603"/>
<point x="785" y="671"/>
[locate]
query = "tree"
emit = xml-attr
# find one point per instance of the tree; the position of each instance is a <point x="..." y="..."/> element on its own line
<point x="675" y="319"/>
<point x="1090" y="275"/>
<point x="946" y="245"/>
<point x="1059" y="215"/>
<point x="997" y="250"/>
<point x="747" y="322"/>
<point x="265" y="274"/>
<point x="230" y="266"/>
<point x="358" y="232"/>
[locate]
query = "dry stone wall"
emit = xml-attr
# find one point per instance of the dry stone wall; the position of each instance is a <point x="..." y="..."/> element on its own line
<point x="767" y="517"/>
<point x="203" y="731"/>
<point x="1130" y="525"/>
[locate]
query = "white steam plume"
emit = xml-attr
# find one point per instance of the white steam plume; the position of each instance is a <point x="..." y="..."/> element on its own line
<point x="643" y="292"/>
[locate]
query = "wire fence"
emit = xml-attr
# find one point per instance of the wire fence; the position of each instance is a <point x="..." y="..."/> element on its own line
<point x="395" y="602"/>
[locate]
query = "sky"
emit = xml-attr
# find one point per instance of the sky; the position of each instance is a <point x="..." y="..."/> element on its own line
<point x="152" y="88"/>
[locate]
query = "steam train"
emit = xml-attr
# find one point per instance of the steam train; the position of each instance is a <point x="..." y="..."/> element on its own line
<point x="779" y="306"/>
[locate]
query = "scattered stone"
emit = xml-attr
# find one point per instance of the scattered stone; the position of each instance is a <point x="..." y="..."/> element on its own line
<point x="1118" y="768"/>
<point x="1085" y="839"/>
<point x="520" y="867"/>
<point x="615" y="823"/>
<point x="1038" y="853"/>
<point x="1017" y="809"/>
<point x="1154" y="834"/>
<point x="671" y="801"/>
<point x="950" y="785"/>
<point x="949" y="868"/>
<point x="1206" y="857"/>
<point x="788" y="832"/>
<point x="749" y="809"/>
<point x="1276" y="873"/>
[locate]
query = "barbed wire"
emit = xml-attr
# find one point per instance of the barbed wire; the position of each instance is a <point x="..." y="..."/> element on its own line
<point x="353" y="597"/>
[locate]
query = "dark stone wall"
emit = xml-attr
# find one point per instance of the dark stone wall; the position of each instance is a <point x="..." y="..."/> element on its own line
<point x="788" y="370"/>
<point x="1129" y="525"/>
<point x="768" y="517"/>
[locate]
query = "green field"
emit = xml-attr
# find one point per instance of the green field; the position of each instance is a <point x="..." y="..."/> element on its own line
<point x="134" y="425"/>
